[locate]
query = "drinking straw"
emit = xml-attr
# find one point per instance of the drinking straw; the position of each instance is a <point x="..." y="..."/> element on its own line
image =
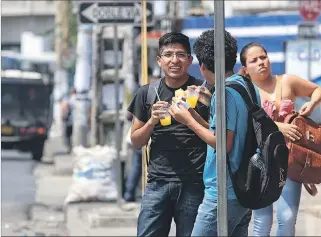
<point x="157" y="94"/>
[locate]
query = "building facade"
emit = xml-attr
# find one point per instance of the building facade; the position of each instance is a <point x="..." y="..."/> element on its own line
<point x="37" y="17"/>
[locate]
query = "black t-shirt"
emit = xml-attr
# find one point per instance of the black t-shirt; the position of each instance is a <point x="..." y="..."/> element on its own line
<point x="176" y="152"/>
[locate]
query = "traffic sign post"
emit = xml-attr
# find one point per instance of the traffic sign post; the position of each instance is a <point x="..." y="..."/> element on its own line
<point x="117" y="124"/>
<point x="308" y="30"/>
<point x="310" y="9"/>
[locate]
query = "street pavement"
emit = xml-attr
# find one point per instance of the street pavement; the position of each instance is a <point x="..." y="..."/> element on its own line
<point x="21" y="213"/>
<point x="17" y="190"/>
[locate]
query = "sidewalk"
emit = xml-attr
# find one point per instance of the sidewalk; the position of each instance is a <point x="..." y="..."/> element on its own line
<point x="109" y="219"/>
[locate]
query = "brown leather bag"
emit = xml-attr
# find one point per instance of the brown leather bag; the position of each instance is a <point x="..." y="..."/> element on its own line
<point x="304" y="163"/>
<point x="305" y="154"/>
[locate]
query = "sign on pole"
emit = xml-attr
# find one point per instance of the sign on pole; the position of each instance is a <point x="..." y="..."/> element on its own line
<point x="310" y="9"/>
<point x="308" y="30"/>
<point x="114" y="12"/>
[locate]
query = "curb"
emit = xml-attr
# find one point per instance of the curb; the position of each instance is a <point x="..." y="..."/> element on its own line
<point x="103" y="215"/>
<point x="43" y="170"/>
<point x="63" y="165"/>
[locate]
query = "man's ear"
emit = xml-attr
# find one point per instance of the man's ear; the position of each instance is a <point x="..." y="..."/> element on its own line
<point x="202" y="67"/>
<point x="158" y="60"/>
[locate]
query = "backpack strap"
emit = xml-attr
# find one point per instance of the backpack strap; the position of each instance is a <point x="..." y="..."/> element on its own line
<point x="150" y="99"/>
<point x="251" y="88"/>
<point x="249" y="104"/>
<point x="243" y="92"/>
<point x="151" y="94"/>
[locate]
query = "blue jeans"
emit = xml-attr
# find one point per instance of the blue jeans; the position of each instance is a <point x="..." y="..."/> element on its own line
<point x="238" y="219"/>
<point x="164" y="201"/>
<point x="287" y="207"/>
<point x="134" y="176"/>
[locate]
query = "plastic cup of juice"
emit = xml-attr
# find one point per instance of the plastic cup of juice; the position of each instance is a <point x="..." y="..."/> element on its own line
<point x="166" y="118"/>
<point x="192" y="97"/>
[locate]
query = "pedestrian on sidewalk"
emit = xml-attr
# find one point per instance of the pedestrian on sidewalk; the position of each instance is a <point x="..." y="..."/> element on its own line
<point x="135" y="172"/>
<point x="67" y="112"/>
<point x="256" y="66"/>
<point x="174" y="188"/>
<point x="134" y="176"/>
<point x="236" y="124"/>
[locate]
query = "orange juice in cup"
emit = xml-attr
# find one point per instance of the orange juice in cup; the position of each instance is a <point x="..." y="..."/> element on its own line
<point x="165" y="117"/>
<point x="166" y="121"/>
<point x="192" y="97"/>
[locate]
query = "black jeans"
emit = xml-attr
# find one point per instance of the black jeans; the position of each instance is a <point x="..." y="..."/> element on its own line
<point x="164" y="201"/>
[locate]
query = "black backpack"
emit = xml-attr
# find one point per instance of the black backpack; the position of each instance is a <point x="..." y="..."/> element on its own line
<point x="260" y="178"/>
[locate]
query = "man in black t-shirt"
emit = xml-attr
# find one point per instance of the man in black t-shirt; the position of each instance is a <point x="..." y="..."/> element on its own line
<point x="175" y="188"/>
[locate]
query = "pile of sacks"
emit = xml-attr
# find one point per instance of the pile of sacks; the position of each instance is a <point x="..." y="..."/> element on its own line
<point x="94" y="175"/>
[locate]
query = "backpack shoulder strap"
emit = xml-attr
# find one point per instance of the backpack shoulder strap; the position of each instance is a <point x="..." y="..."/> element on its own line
<point x="151" y="94"/>
<point x="251" y="88"/>
<point x="243" y="92"/>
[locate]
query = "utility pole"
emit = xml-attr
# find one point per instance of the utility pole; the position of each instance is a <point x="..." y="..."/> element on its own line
<point x="96" y="66"/>
<point x="174" y="23"/>
<point x="61" y="44"/>
<point x="82" y="85"/>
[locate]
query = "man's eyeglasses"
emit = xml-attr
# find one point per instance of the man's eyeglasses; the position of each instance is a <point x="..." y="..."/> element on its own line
<point x="179" y="55"/>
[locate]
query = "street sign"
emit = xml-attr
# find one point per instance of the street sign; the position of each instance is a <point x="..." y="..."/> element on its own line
<point x="310" y="9"/>
<point x="114" y="13"/>
<point x="308" y="30"/>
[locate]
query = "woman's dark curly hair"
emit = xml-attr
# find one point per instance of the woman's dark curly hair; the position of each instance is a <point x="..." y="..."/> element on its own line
<point x="204" y="50"/>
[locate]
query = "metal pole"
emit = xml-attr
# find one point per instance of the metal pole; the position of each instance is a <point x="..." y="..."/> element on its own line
<point x="144" y="44"/>
<point x="101" y="134"/>
<point x="117" y="122"/>
<point x="95" y="64"/>
<point x="60" y="77"/>
<point x="82" y="85"/>
<point x="144" y="73"/>
<point x="219" y="42"/>
<point x="174" y="15"/>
